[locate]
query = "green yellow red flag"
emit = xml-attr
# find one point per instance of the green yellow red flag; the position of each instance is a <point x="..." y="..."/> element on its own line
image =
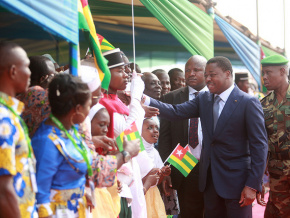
<point x="86" y="24"/>
<point x="131" y="133"/>
<point x="105" y="45"/>
<point x="182" y="159"/>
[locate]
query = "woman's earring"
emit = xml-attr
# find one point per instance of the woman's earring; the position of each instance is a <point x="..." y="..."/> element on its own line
<point x="79" y="113"/>
<point x="71" y="120"/>
<point x="57" y="91"/>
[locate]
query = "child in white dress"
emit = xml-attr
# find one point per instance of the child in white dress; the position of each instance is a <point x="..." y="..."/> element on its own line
<point x="154" y="203"/>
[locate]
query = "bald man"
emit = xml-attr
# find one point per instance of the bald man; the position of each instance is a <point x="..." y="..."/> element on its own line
<point x="185" y="132"/>
<point x="152" y="85"/>
<point x="164" y="80"/>
<point x="17" y="180"/>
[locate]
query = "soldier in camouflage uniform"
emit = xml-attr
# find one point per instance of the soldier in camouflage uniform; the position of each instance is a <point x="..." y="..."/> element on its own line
<point x="276" y="106"/>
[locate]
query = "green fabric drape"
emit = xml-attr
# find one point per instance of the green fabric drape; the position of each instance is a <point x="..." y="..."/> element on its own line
<point x="117" y="9"/>
<point x="192" y="27"/>
<point x="268" y="51"/>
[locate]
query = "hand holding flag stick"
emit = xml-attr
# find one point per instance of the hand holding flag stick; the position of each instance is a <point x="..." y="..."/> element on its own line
<point x="166" y="170"/>
<point x="131" y="133"/>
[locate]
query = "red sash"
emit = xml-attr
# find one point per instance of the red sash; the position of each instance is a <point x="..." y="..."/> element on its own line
<point x="114" y="105"/>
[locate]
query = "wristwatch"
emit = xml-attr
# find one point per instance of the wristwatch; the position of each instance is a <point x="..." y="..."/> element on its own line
<point x="126" y="156"/>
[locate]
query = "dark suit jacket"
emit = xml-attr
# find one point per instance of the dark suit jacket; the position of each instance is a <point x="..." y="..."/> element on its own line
<point x="237" y="150"/>
<point x="172" y="133"/>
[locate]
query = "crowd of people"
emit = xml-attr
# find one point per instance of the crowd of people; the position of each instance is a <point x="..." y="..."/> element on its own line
<point x="60" y="156"/>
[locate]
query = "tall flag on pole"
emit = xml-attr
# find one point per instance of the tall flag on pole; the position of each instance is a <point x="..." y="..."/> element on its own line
<point x="87" y="25"/>
<point x="131" y="133"/>
<point x="182" y="160"/>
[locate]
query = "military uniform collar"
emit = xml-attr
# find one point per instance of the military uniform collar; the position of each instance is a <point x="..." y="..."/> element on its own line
<point x="288" y="92"/>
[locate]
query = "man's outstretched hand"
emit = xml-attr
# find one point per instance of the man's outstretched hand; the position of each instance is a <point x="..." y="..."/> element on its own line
<point x="149" y="111"/>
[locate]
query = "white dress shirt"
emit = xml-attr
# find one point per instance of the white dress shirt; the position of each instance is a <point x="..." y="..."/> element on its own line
<point x="224" y="97"/>
<point x="197" y="150"/>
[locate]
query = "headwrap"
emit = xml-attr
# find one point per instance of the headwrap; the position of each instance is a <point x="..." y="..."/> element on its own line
<point x="49" y="57"/>
<point x="155" y="119"/>
<point x="37" y="107"/>
<point x="89" y="74"/>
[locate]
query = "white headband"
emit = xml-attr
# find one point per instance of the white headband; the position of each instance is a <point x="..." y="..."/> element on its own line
<point x="95" y="110"/>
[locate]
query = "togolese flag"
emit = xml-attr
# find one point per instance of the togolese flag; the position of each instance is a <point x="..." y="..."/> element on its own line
<point x="182" y="160"/>
<point x="131" y="133"/>
<point x="187" y="148"/>
<point x="105" y="45"/>
<point x="86" y="24"/>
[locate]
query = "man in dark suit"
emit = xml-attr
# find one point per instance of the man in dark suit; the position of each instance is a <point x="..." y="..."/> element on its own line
<point x="234" y="147"/>
<point x="172" y="133"/>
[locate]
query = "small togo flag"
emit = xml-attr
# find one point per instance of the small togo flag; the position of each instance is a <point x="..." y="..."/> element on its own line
<point x="104" y="43"/>
<point x="131" y="133"/>
<point x="187" y="148"/>
<point x="182" y="160"/>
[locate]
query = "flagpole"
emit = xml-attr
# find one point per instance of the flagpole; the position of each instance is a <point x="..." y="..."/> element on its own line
<point x="284" y="14"/>
<point x="171" y="153"/>
<point x="87" y="51"/>
<point x="257" y="12"/>
<point x="259" y="43"/>
<point x="133" y="31"/>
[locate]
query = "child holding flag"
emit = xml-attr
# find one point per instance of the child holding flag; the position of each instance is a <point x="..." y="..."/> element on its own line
<point x="154" y="202"/>
<point x="121" y="118"/>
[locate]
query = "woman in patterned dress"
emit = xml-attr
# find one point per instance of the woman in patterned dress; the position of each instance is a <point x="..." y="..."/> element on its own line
<point x="63" y="158"/>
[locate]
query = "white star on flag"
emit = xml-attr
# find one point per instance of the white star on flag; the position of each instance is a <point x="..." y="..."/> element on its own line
<point x="130" y="127"/>
<point x="179" y="153"/>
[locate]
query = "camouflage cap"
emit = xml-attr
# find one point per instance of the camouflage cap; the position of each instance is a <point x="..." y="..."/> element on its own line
<point x="274" y="60"/>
